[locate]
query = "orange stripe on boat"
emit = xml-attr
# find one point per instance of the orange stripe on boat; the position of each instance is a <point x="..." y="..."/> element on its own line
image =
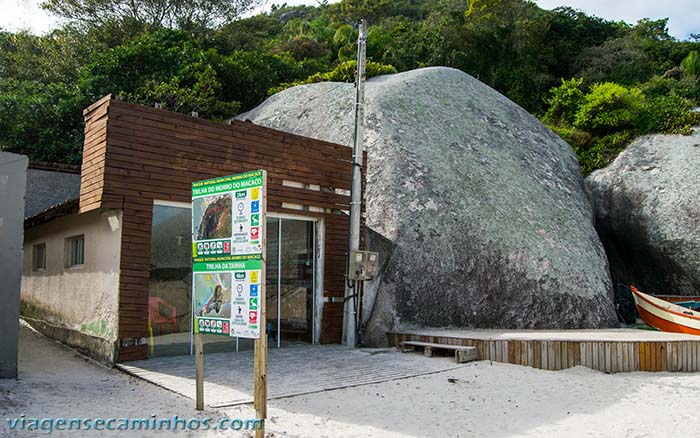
<point x="641" y="296"/>
<point x="664" y="325"/>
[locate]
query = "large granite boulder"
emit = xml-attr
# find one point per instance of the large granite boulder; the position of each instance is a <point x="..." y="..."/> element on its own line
<point x="647" y="206"/>
<point x="481" y="207"/>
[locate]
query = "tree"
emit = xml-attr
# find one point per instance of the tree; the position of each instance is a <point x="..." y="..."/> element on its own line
<point x="691" y="64"/>
<point x="191" y="56"/>
<point x="254" y="33"/>
<point x="59" y="54"/>
<point x="376" y="10"/>
<point x="41" y="121"/>
<point x="190" y="14"/>
<point x="620" y="60"/>
<point x="506" y="41"/>
<point x="168" y="67"/>
<point x="569" y="32"/>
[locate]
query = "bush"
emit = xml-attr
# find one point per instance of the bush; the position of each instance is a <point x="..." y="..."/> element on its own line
<point x="602" y="150"/>
<point x="659" y="86"/>
<point x="609" y="107"/>
<point x="600" y="123"/>
<point x="344" y="72"/>
<point x="564" y="102"/>
<point x="575" y="137"/>
<point x="688" y="87"/>
<point x="668" y="114"/>
<point x="691" y="64"/>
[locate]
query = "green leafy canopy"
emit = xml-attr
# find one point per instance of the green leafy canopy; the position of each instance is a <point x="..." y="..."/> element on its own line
<point x="597" y="83"/>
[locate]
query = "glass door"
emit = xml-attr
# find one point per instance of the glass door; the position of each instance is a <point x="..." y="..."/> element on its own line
<point x="297" y="280"/>
<point x="289" y="289"/>
<point x="272" y="277"/>
<point x="290" y="279"/>
<point x="169" y="287"/>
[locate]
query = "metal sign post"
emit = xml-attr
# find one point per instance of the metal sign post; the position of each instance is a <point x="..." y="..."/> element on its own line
<point x="228" y="271"/>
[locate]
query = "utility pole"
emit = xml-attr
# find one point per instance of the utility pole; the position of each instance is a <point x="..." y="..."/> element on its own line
<point x="351" y="289"/>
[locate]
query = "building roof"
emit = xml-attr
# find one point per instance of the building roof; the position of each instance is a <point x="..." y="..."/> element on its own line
<point x="55" y="211"/>
<point x="49" y="185"/>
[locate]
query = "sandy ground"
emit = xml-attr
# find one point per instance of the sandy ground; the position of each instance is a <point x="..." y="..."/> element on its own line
<point x="480" y="400"/>
<point x="55" y="381"/>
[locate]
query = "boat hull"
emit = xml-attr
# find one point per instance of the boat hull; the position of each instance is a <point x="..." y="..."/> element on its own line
<point x="665" y="316"/>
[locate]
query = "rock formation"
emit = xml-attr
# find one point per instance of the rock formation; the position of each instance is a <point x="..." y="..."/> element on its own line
<point x="482" y="207"/>
<point x="647" y="206"/>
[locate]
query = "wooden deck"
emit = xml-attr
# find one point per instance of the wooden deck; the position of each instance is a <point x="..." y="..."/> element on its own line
<point x="610" y="351"/>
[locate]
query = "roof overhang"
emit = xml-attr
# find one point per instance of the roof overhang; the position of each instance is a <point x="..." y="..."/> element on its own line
<point x="65" y="208"/>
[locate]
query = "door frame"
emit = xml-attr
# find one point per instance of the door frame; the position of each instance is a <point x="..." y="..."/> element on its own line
<point x="318" y="260"/>
<point x="318" y="277"/>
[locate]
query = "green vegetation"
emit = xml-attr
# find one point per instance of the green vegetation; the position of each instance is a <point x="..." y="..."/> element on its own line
<point x="595" y="82"/>
<point x="599" y="122"/>
<point x="344" y="72"/>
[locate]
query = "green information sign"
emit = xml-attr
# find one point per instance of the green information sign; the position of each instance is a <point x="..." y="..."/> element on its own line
<point x="227" y="254"/>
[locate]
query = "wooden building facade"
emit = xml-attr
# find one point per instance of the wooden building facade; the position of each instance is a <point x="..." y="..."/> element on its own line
<point x="135" y="156"/>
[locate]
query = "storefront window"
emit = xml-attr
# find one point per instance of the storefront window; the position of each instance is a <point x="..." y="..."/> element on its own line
<point x="170" y="285"/>
<point x="290" y="251"/>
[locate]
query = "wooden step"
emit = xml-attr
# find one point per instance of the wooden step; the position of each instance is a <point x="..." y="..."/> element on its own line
<point x="462" y="353"/>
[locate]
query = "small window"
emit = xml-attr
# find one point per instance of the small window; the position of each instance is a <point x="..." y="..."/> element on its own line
<point x="75" y="251"/>
<point x="39" y="257"/>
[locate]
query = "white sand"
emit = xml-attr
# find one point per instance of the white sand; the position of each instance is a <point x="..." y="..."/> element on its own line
<point x="498" y="400"/>
<point x="485" y="400"/>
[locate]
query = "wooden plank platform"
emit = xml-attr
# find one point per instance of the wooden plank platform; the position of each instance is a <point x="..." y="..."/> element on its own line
<point x="462" y="353"/>
<point x="609" y="351"/>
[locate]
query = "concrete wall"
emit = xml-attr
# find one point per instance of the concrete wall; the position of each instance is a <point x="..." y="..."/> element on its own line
<point x="13" y="177"/>
<point x="78" y="305"/>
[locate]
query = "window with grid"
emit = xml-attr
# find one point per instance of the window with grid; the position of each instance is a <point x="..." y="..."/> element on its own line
<point x="39" y="257"/>
<point x="75" y="251"/>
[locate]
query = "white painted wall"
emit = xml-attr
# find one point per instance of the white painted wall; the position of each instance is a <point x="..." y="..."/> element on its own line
<point x="82" y="299"/>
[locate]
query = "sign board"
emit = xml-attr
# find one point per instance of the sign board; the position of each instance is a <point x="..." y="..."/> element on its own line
<point x="228" y="218"/>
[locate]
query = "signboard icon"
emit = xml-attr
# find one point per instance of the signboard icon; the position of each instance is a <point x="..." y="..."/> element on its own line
<point x="253" y="317"/>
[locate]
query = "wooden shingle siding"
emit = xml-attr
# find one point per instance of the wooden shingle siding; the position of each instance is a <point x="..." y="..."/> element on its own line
<point x="94" y="148"/>
<point x="135" y="154"/>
